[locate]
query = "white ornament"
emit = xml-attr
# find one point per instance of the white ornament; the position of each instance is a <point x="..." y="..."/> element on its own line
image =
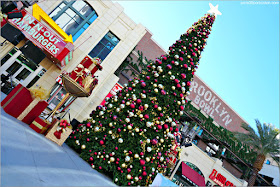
<point x="183" y="84"/>
<point x="130" y="114"/>
<point x="143" y="96"/>
<point x="181" y="113"/>
<point x="92" y="166"/>
<point x="160" y="86"/>
<point x="118" y="109"/>
<point x="120" y="140"/>
<point x="148" y="124"/>
<point x="127" y="159"/>
<point x="156" y="75"/>
<point x="122" y="105"/>
<point x="110" y="105"/>
<point x="96" y="129"/>
<point x="176" y="56"/>
<point x="173" y="87"/>
<point x="149" y="149"/>
<point x="146" y="106"/>
<point x="172" y="77"/>
<point x="116" y="179"/>
<point x="148" y="140"/>
<point x="178" y="102"/>
<point x="127" y="120"/>
<point x="173" y="124"/>
<point x="176" y="63"/>
<point x="127" y="103"/>
<point x="159" y="67"/>
<point x="101" y="113"/>
<point x="156" y="90"/>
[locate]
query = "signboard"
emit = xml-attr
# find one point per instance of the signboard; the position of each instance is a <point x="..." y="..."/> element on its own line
<point x="54" y="47"/>
<point x="220" y="179"/>
<point x="209" y="102"/>
<point x="113" y="92"/>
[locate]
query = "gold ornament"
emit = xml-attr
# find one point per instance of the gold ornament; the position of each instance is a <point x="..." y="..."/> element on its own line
<point x="136" y="156"/>
<point x="128" y="176"/>
<point x="147" y="159"/>
<point x="83" y="146"/>
<point x="112" y="159"/>
<point x="129" y="127"/>
<point x="123" y="165"/>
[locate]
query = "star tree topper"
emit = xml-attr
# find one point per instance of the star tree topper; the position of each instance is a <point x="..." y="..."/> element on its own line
<point x="214" y="10"/>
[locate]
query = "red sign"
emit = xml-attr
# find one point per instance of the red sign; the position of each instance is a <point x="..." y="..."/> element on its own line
<point x="220" y="179"/>
<point x="55" y="48"/>
<point x="113" y="91"/>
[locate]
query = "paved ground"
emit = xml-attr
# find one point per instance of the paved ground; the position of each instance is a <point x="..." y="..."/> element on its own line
<point x="29" y="159"/>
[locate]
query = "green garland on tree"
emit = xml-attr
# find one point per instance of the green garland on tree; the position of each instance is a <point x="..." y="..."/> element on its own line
<point x="130" y="137"/>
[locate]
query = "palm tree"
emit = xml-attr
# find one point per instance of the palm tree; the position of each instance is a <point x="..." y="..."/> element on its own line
<point x="265" y="142"/>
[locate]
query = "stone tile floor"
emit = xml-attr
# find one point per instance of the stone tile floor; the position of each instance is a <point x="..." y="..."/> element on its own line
<point x="29" y="159"/>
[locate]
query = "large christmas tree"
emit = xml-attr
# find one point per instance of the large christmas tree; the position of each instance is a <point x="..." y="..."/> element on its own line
<point x="130" y="137"/>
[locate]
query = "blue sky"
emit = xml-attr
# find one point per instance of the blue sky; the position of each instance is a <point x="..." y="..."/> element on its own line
<point x="241" y="59"/>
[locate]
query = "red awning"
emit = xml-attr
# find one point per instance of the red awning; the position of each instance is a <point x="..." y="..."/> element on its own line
<point x="192" y="175"/>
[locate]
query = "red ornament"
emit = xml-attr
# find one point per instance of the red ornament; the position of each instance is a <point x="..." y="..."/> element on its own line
<point x="143" y="84"/>
<point x="183" y="76"/>
<point x="185" y="66"/>
<point x="142" y="162"/>
<point x="156" y="106"/>
<point x="138" y="101"/>
<point x="91" y="159"/>
<point x="144" y="173"/>
<point x="188" y="83"/>
<point x="159" y="127"/>
<point x="141" y="108"/>
<point x="176" y="129"/>
<point x="101" y="142"/>
<point x="181" y="108"/>
<point x="132" y="105"/>
<point x="169" y="66"/>
<point x="176" y="81"/>
<point x="146" y="116"/>
<point x="165" y="126"/>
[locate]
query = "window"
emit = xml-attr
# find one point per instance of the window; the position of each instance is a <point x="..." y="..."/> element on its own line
<point x="74" y="17"/>
<point x="56" y="95"/>
<point x="105" y="46"/>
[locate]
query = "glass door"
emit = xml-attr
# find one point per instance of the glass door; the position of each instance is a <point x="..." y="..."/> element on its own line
<point x="16" y="68"/>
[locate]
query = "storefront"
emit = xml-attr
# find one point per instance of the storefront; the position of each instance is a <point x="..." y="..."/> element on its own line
<point x="195" y="166"/>
<point x="188" y="175"/>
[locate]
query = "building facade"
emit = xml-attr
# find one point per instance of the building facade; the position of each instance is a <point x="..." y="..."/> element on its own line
<point x="99" y="29"/>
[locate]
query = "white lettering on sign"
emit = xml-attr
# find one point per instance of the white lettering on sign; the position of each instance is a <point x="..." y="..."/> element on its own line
<point x="37" y="32"/>
<point x="209" y="103"/>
